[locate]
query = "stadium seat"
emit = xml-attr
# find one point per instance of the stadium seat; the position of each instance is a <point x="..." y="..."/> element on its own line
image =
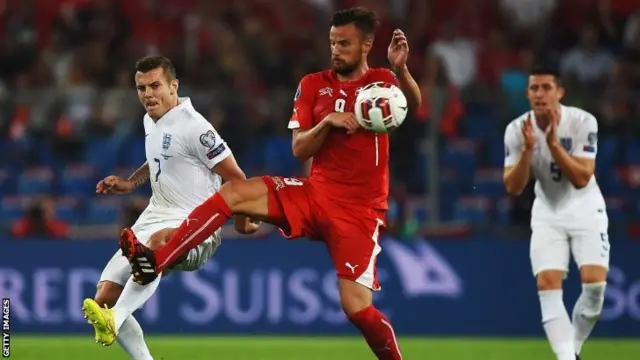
<point x="7" y="183"/>
<point x="12" y="208"/>
<point x="461" y="156"/>
<point x="35" y="181"/>
<point x="496" y="153"/>
<point x="488" y="182"/>
<point x="103" y="154"/>
<point x="632" y="153"/>
<point x="472" y="210"/>
<point x="503" y="210"/>
<point x="606" y="159"/>
<point x="68" y="209"/>
<point x="617" y="209"/>
<point x="78" y="180"/>
<point x="479" y="124"/>
<point x="278" y="157"/>
<point x="104" y="210"/>
<point x="134" y="153"/>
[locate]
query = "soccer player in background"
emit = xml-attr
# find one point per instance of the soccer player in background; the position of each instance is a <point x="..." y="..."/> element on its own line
<point x="557" y="144"/>
<point x="342" y="203"/>
<point x="186" y="159"/>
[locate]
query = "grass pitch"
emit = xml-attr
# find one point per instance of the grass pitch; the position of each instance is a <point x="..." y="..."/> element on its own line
<point x="308" y="348"/>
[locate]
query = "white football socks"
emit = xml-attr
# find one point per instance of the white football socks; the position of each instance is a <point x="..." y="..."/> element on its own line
<point x="131" y="338"/>
<point x="557" y="324"/>
<point x="132" y="298"/>
<point x="586" y="312"/>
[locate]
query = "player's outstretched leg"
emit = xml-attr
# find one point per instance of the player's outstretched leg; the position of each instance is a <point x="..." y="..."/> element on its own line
<point x="589" y="304"/>
<point x="555" y="318"/>
<point x="130" y="336"/>
<point x="134" y="295"/>
<point x="248" y="197"/>
<point x="357" y="303"/>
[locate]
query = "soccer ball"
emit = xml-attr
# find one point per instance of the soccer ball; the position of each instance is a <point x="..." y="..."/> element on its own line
<point x="380" y="107"/>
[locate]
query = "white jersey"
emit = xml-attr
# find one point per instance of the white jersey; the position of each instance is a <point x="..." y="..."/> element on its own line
<point x="181" y="147"/>
<point x="555" y="195"/>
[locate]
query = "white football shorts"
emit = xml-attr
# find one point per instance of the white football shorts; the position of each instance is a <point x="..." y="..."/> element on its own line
<point x="553" y="242"/>
<point x="118" y="269"/>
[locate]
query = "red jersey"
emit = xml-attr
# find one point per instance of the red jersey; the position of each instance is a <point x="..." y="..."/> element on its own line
<point x="347" y="168"/>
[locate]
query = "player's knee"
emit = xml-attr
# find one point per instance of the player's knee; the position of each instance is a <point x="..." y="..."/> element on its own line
<point x="160" y="238"/>
<point x="242" y="195"/>
<point x="353" y="296"/>
<point x="108" y="293"/>
<point x="591" y="274"/>
<point x="549" y="280"/>
<point x="592" y="299"/>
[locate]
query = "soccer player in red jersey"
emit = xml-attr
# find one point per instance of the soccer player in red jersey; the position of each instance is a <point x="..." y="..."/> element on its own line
<point x="342" y="203"/>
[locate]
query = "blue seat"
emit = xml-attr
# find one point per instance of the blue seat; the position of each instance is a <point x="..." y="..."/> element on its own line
<point x="12" y="208"/>
<point x="488" y="182"/>
<point x="632" y="153"/>
<point x="103" y="154"/>
<point x="133" y="153"/>
<point x="7" y="183"/>
<point x="68" y="209"/>
<point x="78" y="180"/>
<point x="35" y="181"/>
<point x="104" y="210"/>
<point x="278" y="157"/>
<point x="460" y="155"/>
<point x="496" y="153"/>
<point x="503" y="210"/>
<point x="472" y="210"/>
<point x="617" y="209"/>
<point x="480" y="122"/>
<point x="606" y="159"/>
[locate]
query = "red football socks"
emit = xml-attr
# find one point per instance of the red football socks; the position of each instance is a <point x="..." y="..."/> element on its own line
<point x="378" y="333"/>
<point x="196" y="228"/>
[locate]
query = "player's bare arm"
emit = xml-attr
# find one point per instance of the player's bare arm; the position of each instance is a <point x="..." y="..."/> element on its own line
<point x="113" y="184"/>
<point x="306" y="143"/>
<point x="229" y="170"/>
<point x="578" y="170"/>
<point x="140" y="176"/>
<point x="517" y="177"/>
<point x="398" y="53"/>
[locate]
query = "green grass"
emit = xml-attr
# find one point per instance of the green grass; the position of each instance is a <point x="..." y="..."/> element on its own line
<point x="308" y="348"/>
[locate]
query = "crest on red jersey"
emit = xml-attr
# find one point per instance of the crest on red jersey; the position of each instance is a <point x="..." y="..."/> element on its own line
<point x="326" y="91"/>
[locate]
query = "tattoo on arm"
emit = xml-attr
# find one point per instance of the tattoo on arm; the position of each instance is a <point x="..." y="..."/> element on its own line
<point x="140" y="176"/>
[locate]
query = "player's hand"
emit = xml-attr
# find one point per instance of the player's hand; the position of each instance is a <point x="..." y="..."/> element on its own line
<point x="343" y="120"/>
<point x="245" y="225"/>
<point x="113" y="184"/>
<point x="550" y="131"/>
<point x="398" y="51"/>
<point x="528" y="133"/>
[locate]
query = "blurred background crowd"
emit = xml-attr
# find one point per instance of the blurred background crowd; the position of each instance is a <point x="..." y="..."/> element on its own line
<point x="69" y="114"/>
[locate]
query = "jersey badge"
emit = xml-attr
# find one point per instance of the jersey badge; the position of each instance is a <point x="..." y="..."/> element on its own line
<point x="166" y="144"/>
<point x="566" y="143"/>
<point x="208" y="139"/>
<point x="326" y="91"/>
<point x="592" y="140"/>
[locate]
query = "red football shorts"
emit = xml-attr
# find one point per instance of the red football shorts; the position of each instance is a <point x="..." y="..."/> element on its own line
<point x="349" y="231"/>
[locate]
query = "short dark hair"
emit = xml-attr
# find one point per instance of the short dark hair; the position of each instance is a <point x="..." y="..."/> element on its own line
<point x="546" y="70"/>
<point x="365" y="20"/>
<point x="153" y="62"/>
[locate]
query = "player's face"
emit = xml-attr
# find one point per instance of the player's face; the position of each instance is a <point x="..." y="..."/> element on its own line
<point x="544" y="93"/>
<point x="348" y="47"/>
<point x="157" y="93"/>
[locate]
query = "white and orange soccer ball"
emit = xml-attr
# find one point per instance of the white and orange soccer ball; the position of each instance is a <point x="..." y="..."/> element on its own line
<point x="380" y="107"/>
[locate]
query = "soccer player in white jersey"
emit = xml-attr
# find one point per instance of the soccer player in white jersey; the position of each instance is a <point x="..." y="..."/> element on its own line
<point x="186" y="159"/>
<point x="557" y="144"/>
